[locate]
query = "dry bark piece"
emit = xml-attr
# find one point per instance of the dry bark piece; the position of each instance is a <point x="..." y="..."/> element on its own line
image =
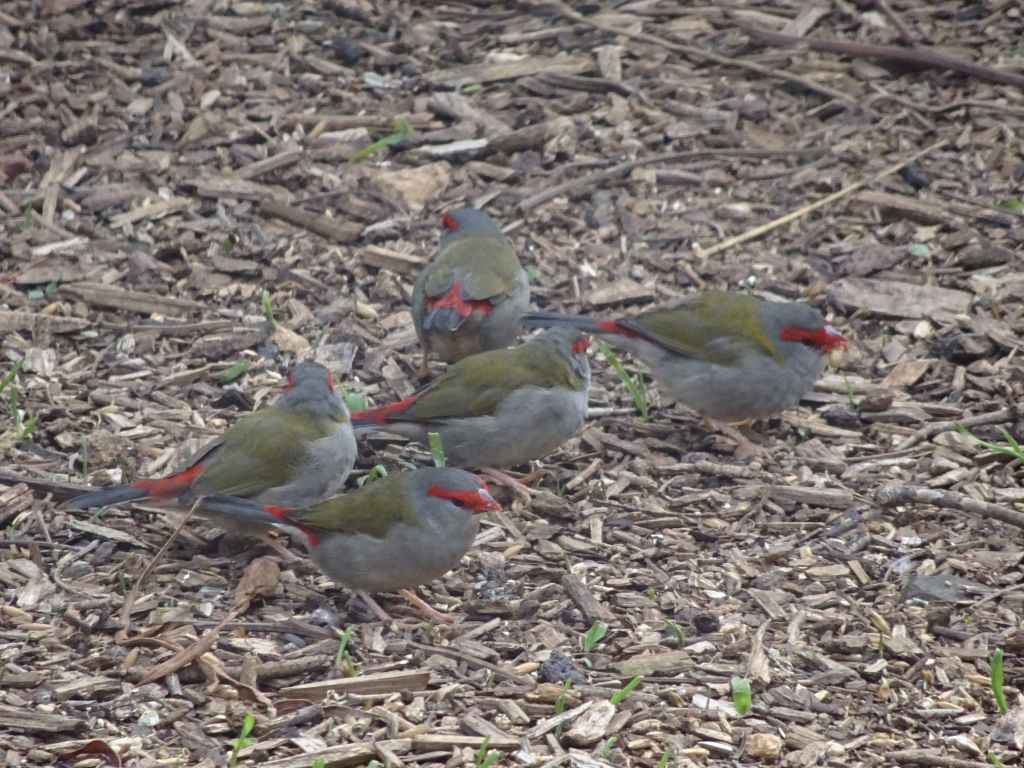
<point x="895" y="299"/>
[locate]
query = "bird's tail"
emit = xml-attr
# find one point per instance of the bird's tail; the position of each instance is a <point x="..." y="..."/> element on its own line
<point x="243" y="509"/>
<point x="444" y="319"/>
<point x="585" y="323"/>
<point x="165" y="488"/>
<point x="107" y="497"/>
<point x="370" y="419"/>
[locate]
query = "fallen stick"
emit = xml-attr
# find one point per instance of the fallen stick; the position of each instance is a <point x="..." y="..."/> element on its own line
<point x="755" y="232"/>
<point x="913" y="55"/>
<point x="891" y="495"/>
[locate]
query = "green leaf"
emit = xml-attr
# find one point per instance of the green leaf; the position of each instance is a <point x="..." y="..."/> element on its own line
<point x="402" y="129"/>
<point x="378" y="471"/>
<point x="919" y="250"/>
<point x="472" y="88"/>
<point x="354" y="401"/>
<point x="234" y="372"/>
<point x="741" y="696"/>
<point x="436" y="449"/>
<point x="1014" y="204"/>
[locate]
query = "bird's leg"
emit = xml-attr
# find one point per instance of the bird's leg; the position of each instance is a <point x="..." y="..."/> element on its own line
<point x="425" y="608"/>
<point x="424" y="371"/>
<point x="522" y="491"/>
<point x="286" y="555"/>
<point x="374" y="606"/>
<point x="745" y="448"/>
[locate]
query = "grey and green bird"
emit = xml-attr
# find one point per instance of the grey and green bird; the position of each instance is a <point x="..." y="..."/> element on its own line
<point x="391" y="535"/>
<point x="499" y="408"/>
<point x="729" y="356"/>
<point x="299" y="450"/>
<point x="471" y="295"/>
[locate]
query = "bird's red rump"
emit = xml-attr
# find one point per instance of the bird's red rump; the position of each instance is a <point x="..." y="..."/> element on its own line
<point x="453" y="300"/>
<point x="281" y="512"/>
<point x="825" y="338"/>
<point x="175" y="485"/>
<point x="381" y="415"/>
<point x="478" y="501"/>
<point x="285" y="513"/>
<point x="580" y="345"/>
<point x="610" y="326"/>
<point x="449" y="222"/>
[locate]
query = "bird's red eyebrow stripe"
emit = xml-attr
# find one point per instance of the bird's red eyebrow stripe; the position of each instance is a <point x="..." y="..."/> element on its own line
<point x="453" y="300"/>
<point x="470" y="499"/>
<point x="449" y="222"/>
<point x="580" y="345"/>
<point x="824" y="338"/>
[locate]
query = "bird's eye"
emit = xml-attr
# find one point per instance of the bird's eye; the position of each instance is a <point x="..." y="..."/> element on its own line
<point x="458" y="503"/>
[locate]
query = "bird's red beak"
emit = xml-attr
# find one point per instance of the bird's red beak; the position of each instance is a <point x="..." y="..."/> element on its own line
<point x="448" y="222"/>
<point x="486" y="501"/>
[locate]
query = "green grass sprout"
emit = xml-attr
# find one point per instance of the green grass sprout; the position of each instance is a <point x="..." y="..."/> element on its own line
<point x="234" y="372"/>
<point x="402" y="129"/>
<point x="485" y="757"/>
<point x="436" y="449"/>
<point x="243" y="739"/>
<point x="1012" y="447"/>
<point x="594" y="636"/>
<point x="376" y="473"/>
<point x="622" y="694"/>
<point x="635" y="384"/>
<point x="741" y="696"/>
<point x="996" y="680"/>
<point x="268" y="311"/>
<point x="9" y="376"/>
<point x="677" y="631"/>
<point x="343" y="659"/>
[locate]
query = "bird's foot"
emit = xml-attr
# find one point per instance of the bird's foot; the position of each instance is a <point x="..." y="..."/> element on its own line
<point x="424" y="372"/>
<point x="425" y="608"/>
<point x="745" y="448"/>
<point x="522" y="491"/>
<point x="375" y="608"/>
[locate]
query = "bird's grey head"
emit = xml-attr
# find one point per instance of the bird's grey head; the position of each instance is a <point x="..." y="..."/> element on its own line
<point x="467" y="221"/>
<point x="454" y="490"/>
<point x="571" y="344"/>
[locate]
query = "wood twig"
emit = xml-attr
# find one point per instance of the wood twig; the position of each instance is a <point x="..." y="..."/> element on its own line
<point x="1002" y="416"/>
<point x="762" y="229"/>
<point x="339" y="231"/>
<point x="592" y="179"/>
<point x="912" y="55"/>
<point x="699" y="54"/>
<point x="893" y="494"/>
<point x="906" y="36"/>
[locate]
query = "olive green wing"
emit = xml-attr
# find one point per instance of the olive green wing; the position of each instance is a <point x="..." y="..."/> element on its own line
<point x="476" y="385"/>
<point x="261" y="451"/>
<point x="714" y="326"/>
<point x="371" y="510"/>
<point x="485" y="266"/>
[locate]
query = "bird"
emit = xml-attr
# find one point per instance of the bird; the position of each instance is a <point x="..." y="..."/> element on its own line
<point x="390" y="535"/>
<point x="499" y="408"/>
<point x="470" y="296"/>
<point x="301" y="449"/>
<point x="731" y="357"/>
